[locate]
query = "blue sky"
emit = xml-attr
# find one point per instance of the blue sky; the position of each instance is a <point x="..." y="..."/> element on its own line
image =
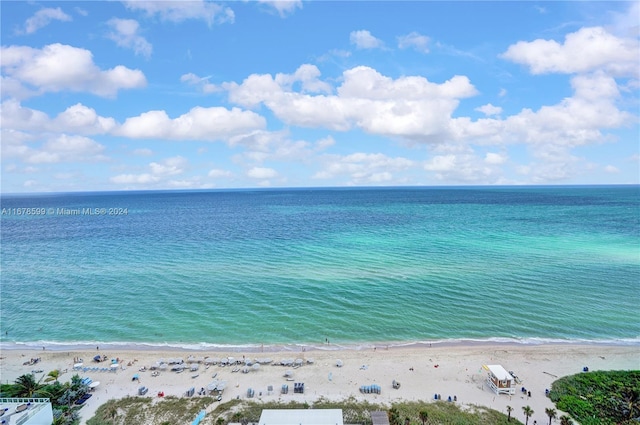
<point x="195" y="94"/>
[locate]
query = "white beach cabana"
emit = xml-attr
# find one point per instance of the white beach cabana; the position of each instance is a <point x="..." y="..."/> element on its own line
<point x="499" y="380"/>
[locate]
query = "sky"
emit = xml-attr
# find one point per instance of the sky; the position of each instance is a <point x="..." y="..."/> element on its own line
<point x="157" y="95"/>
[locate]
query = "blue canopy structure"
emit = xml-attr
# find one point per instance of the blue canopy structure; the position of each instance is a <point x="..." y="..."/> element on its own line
<point x="198" y="418"/>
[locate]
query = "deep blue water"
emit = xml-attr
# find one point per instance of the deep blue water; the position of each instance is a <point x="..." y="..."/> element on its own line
<point x="296" y="266"/>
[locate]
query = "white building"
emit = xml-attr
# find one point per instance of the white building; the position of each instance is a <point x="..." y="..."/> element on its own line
<point x="25" y="411"/>
<point x="499" y="380"/>
<point x="301" y="417"/>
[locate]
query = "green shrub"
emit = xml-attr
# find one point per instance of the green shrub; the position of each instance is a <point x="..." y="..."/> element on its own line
<point x="599" y="398"/>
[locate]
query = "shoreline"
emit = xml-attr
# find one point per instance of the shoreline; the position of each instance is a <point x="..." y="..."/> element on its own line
<point x="57" y="346"/>
<point x="454" y="370"/>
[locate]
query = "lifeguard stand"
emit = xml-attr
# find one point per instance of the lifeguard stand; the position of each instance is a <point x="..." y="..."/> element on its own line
<point x="499" y="380"/>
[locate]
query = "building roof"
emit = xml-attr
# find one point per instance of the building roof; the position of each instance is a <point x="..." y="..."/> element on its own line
<point x="301" y="417"/>
<point x="26" y="411"/>
<point x="499" y="372"/>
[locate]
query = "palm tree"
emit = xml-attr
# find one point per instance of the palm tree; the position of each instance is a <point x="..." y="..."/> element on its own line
<point x="551" y="413"/>
<point x="26" y="386"/>
<point x="53" y="375"/>
<point x="528" y="411"/>
<point x="509" y="410"/>
<point x="424" y="415"/>
<point x="565" y="420"/>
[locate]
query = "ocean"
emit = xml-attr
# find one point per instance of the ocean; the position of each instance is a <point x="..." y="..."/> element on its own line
<point x="290" y="267"/>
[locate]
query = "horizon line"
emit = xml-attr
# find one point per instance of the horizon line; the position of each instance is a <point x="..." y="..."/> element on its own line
<point x="298" y="188"/>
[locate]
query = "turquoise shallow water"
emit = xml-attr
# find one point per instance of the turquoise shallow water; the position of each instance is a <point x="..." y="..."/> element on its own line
<point x="298" y="266"/>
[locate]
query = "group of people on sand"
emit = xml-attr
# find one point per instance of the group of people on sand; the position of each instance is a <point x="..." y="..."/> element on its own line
<point x="32" y="361"/>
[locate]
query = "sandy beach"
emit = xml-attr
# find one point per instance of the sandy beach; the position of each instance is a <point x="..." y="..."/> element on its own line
<point x="451" y="370"/>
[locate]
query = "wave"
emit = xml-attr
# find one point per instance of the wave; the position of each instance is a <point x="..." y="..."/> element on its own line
<point x="205" y="346"/>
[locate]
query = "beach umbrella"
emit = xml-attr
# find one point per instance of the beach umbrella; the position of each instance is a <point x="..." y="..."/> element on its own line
<point x="298" y="362"/>
<point x="256" y="366"/>
<point x="94" y="384"/>
<point x="231" y="360"/>
<point x="310" y="360"/>
<point x="163" y="366"/>
<point x="288" y="374"/>
<point x="339" y="363"/>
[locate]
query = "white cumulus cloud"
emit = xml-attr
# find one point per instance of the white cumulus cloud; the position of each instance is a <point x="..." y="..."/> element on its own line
<point x="125" y="34"/>
<point x="283" y="7"/>
<point x="494" y="158"/>
<point x="158" y="173"/>
<point x="180" y="11"/>
<point x="65" y="148"/>
<point x="585" y="50"/>
<point x="207" y="124"/>
<point x="411" y="106"/>
<point x="59" y="67"/>
<point x="489" y="109"/>
<point x="362" y="168"/>
<point x="202" y="82"/>
<point x="262" y="173"/>
<point x="414" y="40"/>
<point x="43" y="17"/>
<point x="363" y="39"/>
<point x="218" y="173"/>
<point x="77" y="119"/>
<point x="169" y="167"/>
